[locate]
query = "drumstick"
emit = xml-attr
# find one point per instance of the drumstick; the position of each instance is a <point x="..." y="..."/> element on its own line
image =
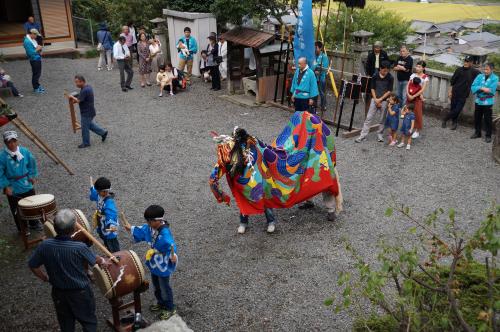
<point x="124" y="219"/>
<point x="96" y="242"/>
<point x="91" y="181"/>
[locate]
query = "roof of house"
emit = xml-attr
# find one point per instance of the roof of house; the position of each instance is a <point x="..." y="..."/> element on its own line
<point x="287" y="19"/>
<point x="481" y="36"/>
<point x="426" y="49"/>
<point x="472" y="24"/>
<point x="423" y="27"/>
<point x="449" y="59"/>
<point x="478" y="51"/>
<point x="450" y="26"/>
<point x="248" y="37"/>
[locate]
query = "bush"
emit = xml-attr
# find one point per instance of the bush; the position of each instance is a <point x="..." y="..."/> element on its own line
<point x="440" y="66"/>
<point x="91" y="53"/>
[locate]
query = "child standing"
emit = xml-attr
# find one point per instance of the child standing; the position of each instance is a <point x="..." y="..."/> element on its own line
<point x="164" y="78"/>
<point x="204" y="69"/>
<point x="392" y="120"/>
<point x="408" y="125"/>
<point x="106" y="215"/>
<point x="161" y="258"/>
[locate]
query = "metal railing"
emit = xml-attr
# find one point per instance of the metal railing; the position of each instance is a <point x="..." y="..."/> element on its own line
<point x="84" y="29"/>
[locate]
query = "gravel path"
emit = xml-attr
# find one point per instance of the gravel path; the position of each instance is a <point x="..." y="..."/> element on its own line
<point x="159" y="151"/>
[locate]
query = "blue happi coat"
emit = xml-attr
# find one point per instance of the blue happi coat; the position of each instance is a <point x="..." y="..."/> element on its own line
<point x="159" y="262"/>
<point x="16" y="174"/>
<point x="321" y="64"/>
<point x="193" y="47"/>
<point x="491" y="83"/>
<point x="107" y="214"/>
<point x="308" y="87"/>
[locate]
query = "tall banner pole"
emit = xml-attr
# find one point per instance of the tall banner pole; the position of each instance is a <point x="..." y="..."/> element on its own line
<point x="303" y="42"/>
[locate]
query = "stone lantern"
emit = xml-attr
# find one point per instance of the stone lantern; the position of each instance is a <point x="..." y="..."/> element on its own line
<point x="160" y="32"/>
<point x="360" y="48"/>
<point x="478" y="54"/>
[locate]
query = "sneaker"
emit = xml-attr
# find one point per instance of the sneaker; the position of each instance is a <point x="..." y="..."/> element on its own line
<point x="393" y="143"/>
<point x="271" y="227"/>
<point x="400" y="145"/>
<point x="19" y="96"/>
<point x="408" y="146"/>
<point x="124" y="90"/>
<point x="110" y="68"/>
<point x="454" y="126"/>
<point x="129" y="87"/>
<point x="167" y="314"/>
<point x="156" y="307"/>
<point x="160" y="95"/>
<point x="306" y="205"/>
<point x="242" y="228"/>
<point x="331" y="216"/>
<point x="475" y="136"/>
<point x="380" y="137"/>
<point x="443" y="124"/>
<point x="171" y="93"/>
<point x="39" y="91"/>
<point x="41" y="88"/>
<point x="99" y="68"/>
<point x="487" y="139"/>
<point x="103" y="137"/>
<point x="83" y="146"/>
<point x="415" y="135"/>
<point x="359" y="139"/>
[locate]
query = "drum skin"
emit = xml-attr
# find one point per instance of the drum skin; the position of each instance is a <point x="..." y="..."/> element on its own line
<point x="34" y="207"/>
<point x="77" y="235"/>
<point x="131" y="278"/>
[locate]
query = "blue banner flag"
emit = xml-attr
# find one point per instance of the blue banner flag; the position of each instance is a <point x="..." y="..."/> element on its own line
<point x="303" y="42"/>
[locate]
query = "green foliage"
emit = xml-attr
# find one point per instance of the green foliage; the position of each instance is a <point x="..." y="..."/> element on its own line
<point x="2" y="58"/>
<point x="431" y="64"/>
<point x="387" y="26"/>
<point x="492" y="28"/>
<point x="190" y="5"/>
<point x="438" y="284"/>
<point x="92" y="53"/>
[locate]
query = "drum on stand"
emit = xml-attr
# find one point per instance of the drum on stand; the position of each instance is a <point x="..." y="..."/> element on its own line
<point x="37" y="207"/>
<point x="77" y="235"/>
<point x="122" y="278"/>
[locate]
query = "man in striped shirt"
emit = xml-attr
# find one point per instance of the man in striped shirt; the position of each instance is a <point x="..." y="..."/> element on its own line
<point x="65" y="263"/>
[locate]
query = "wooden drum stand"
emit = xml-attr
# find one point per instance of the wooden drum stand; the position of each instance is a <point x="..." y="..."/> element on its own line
<point x="125" y="324"/>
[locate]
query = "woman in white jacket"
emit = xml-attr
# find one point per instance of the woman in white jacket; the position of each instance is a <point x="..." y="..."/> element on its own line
<point x="223" y="54"/>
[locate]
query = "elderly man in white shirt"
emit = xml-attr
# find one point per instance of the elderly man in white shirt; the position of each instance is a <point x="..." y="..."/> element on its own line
<point x="121" y="53"/>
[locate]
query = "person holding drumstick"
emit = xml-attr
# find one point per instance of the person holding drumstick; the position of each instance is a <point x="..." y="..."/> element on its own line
<point x="65" y="263"/>
<point x="161" y="258"/>
<point x="18" y="171"/>
<point x="106" y="215"/>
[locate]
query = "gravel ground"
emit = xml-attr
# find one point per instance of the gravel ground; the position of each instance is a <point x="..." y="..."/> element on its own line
<point x="159" y="151"/>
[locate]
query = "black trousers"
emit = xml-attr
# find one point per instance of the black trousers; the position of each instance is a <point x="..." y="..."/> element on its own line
<point x="13" y="88"/>
<point x="302" y="105"/>
<point x="456" y="107"/>
<point x="483" y="112"/>
<point x="13" y="202"/>
<point x="74" y="305"/>
<point x="215" y="73"/>
<point x="36" y="70"/>
<point x="124" y="66"/>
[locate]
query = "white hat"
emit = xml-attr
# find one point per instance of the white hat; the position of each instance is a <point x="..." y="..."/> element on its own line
<point x="35" y="32"/>
<point x="8" y="135"/>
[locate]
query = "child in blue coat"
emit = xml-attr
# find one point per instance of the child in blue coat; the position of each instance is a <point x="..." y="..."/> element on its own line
<point x="161" y="258"/>
<point x="106" y="215"/>
<point x="408" y="125"/>
<point x="392" y="120"/>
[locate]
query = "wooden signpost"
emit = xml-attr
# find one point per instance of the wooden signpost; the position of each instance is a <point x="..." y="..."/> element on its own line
<point x="74" y="123"/>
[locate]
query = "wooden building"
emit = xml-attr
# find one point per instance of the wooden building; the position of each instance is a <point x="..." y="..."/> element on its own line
<point x="54" y="16"/>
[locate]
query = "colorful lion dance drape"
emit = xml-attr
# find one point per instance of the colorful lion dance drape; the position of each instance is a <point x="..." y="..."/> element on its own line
<point x="298" y="165"/>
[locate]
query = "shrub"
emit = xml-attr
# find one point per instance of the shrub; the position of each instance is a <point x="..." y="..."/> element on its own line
<point x="91" y="53"/>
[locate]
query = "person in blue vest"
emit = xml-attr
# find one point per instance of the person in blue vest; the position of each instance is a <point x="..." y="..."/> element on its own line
<point x="161" y="258"/>
<point x="106" y="215"/>
<point x="320" y="69"/>
<point x="304" y="87"/>
<point x="31" y="24"/>
<point x="18" y="171"/>
<point x="187" y="48"/>
<point x="33" y="52"/>
<point x="484" y="87"/>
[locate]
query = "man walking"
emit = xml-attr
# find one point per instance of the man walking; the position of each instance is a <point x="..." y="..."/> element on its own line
<point x="484" y="87"/>
<point x="382" y="84"/>
<point x="33" y="52"/>
<point x="320" y="69"/>
<point x="187" y="48"/>
<point x="121" y="53"/>
<point x="65" y="263"/>
<point x="304" y="88"/>
<point x="18" y="172"/>
<point x="87" y="112"/>
<point x="404" y="70"/>
<point x="461" y="82"/>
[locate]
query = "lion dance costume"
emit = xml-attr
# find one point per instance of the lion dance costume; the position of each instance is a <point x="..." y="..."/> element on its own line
<point x="297" y="166"/>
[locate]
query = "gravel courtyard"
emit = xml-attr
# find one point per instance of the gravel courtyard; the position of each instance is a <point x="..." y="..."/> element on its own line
<point x="159" y="151"/>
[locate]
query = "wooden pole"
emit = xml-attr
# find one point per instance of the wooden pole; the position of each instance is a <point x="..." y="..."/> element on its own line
<point x="327" y="17"/>
<point x="279" y="63"/>
<point x="343" y="58"/>
<point x="283" y="91"/>
<point x="319" y="20"/>
<point x="33" y="139"/>
<point x="96" y="242"/>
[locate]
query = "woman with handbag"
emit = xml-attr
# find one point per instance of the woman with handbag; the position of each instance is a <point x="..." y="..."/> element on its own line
<point x="104" y="46"/>
<point x="144" y="60"/>
<point x="213" y="62"/>
<point x="156" y="55"/>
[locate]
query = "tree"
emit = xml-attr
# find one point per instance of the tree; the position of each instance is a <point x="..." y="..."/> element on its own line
<point x="387" y="26"/>
<point x="492" y="28"/>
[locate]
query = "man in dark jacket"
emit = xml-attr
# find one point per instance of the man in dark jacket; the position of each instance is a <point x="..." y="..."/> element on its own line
<point x="375" y="58"/>
<point x="461" y="82"/>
